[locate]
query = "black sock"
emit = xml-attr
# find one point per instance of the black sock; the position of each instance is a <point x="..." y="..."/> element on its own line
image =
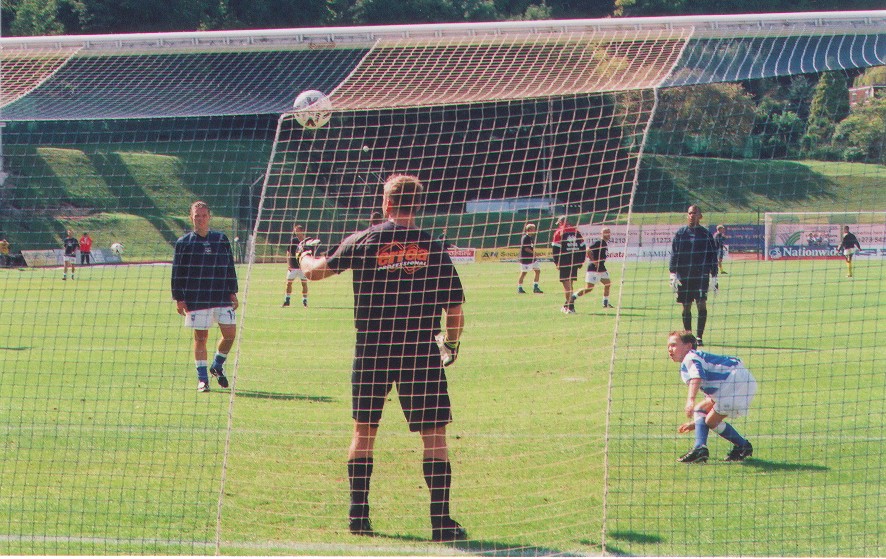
<point x="687" y="319"/>
<point x="702" y="320"/>
<point x="359" y="472"/>
<point x="438" y="476"/>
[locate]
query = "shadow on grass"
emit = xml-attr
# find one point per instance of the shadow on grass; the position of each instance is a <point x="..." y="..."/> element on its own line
<point x="769" y="466"/>
<point x="263" y="395"/>
<point x="631" y="537"/>
<point x="489" y="549"/>
<point x="19" y="348"/>
<point x="772" y="347"/>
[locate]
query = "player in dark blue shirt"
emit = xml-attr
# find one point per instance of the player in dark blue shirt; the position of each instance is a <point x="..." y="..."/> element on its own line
<point x="693" y="268"/>
<point x="204" y="286"/>
<point x="849" y="246"/>
<point x="403" y="282"/>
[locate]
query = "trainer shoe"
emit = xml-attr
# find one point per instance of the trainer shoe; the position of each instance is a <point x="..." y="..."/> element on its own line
<point x="699" y="343"/>
<point x="219" y="375"/>
<point x="202" y="386"/>
<point x="739" y="453"/>
<point x="606" y="305"/>
<point x="571" y="308"/>
<point x="536" y="289"/>
<point x="286" y="303"/>
<point x="520" y="289"/>
<point x="449" y="531"/>
<point x="696" y="455"/>
<point x="361" y="527"/>
<point x="565" y="309"/>
<point x="304" y="302"/>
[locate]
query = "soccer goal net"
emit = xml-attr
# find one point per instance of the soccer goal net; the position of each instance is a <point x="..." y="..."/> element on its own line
<point x="565" y="404"/>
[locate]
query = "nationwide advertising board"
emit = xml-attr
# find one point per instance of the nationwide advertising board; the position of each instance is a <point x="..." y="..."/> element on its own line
<point x="806" y="241"/>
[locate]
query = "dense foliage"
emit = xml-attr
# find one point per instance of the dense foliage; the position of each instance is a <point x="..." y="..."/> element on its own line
<point x="56" y="17"/>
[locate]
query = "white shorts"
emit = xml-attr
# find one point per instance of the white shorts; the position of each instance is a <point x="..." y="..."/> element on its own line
<point x="205" y="318"/>
<point x="527" y="267"/>
<point x="295" y="274"/>
<point x="849" y="251"/>
<point x="594" y="277"/>
<point x="70" y="259"/>
<point x="734" y="398"/>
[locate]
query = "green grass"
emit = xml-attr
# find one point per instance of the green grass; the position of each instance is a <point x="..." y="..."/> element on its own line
<point x="108" y="449"/>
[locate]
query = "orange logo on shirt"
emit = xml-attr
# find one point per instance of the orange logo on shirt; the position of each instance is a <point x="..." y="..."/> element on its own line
<point x="398" y="257"/>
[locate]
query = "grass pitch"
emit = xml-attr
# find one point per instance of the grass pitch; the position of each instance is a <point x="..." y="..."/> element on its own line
<point x="108" y="448"/>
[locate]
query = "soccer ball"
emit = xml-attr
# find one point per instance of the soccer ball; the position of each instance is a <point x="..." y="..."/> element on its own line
<point x="117" y="248"/>
<point x="312" y="109"/>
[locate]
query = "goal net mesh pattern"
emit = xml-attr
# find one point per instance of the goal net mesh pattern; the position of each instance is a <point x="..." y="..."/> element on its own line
<point x="564" y="435"/>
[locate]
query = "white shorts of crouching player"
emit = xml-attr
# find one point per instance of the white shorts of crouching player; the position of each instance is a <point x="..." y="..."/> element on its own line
<point x="205" y="318"/>
<point x="527" y="267"/>
<point x="734" y="398"/>
<point x="595" y="277"/>
<point x="295" y="274"/>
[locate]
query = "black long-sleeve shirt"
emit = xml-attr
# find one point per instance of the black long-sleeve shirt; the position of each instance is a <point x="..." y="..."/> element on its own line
<point x="693" y="253"/>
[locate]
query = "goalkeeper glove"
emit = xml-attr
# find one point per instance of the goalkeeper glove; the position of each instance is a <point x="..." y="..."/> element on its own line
<point x="308" y="246"/>
<point x="675" y="282"/>
<point x="448" y="349"/>
<point x="715" y="285"/>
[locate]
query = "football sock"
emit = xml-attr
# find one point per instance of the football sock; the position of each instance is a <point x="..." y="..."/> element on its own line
<point x="287" y="299"/>
<point x="702" y="321"/>
<point x="729" y="433"/>
<point x="438" y="476"/>
<point x="687" y="319"/>
<point x="605" y="300"/>
<point x="219" y="359"/>
<point x="202" y="371"/>
<point x="535" y="285"/>
<point x="701" y="430"/>
<point x="359" y="472"/>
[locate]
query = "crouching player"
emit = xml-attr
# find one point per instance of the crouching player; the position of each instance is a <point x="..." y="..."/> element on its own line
<point x="728" y="389"/>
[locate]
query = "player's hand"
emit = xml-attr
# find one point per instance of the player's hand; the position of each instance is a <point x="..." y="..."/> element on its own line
<point x="687" y="427"/>
<point x="308" y="246"/>
<point x="715" y="285"/>
<point x="235" y="303"/>
<point x="181" y="308"/>
<point x="448" y="349"/>
<point x="675" y="282"/>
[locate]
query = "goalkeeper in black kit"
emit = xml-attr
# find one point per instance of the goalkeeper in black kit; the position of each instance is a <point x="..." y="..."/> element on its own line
<point x="694" y="267"/>
<point x="404" y="284"/>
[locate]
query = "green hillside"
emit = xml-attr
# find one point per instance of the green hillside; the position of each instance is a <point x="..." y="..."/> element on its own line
<point x="140" y="197"/>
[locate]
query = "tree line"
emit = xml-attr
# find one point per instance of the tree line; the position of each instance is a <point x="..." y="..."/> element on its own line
<point x="72" y="17"/>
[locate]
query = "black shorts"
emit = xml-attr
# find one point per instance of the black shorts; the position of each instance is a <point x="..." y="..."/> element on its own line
<point x="693" y="289"/>
<point x="421" y="386"/>
<point x="569" y="272"/>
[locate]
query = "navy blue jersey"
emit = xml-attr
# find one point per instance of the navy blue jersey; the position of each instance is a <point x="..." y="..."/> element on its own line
<point x="203" y="274"/>
<point x="402" y="281"/>
<point x="597" y="253"/>
<point x="569" y="249"/>
<point x="693" y="253"/>
<point x="71" y="246"/>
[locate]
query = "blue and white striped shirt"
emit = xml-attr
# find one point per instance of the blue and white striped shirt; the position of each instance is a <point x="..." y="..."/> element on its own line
<point x="713" y="370"/>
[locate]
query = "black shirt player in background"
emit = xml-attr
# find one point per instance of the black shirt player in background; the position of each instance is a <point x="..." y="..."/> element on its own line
<point x="403" y="282"/>
<point x="294" y="271"/>
<point x="597" y="272"/>
<point x="849" y="246"/>
<point x="693" y="268"/>
<point x="71" y="245"/>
